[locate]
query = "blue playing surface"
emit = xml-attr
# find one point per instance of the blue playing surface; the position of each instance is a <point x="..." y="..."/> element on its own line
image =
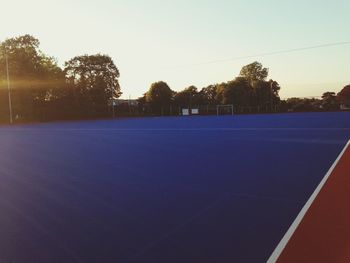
<point x="179" y="189"/>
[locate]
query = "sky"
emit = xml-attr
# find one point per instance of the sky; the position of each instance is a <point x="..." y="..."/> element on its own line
<point x="171" y="40"/>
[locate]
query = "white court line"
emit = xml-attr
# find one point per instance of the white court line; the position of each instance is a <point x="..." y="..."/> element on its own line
<point x="283" y="243"/>
<point x="176" y="129"/>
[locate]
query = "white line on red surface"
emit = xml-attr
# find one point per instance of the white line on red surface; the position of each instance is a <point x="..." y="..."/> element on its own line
<point x="283" y="243"/>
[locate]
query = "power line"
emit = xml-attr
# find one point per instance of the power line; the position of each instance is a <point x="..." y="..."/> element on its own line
<point x="272" y="53"/>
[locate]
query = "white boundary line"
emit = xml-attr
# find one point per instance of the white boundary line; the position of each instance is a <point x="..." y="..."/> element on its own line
<point x="283" y="243"/>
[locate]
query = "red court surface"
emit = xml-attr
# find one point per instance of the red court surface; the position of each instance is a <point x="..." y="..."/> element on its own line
<point x="321" y="232"/>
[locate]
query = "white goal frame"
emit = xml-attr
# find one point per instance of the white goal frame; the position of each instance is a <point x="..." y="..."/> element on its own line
<point x="224" y="106"/>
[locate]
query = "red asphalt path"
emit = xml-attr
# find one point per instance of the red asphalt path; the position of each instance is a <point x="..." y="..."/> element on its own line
<point x="321" y="232"/>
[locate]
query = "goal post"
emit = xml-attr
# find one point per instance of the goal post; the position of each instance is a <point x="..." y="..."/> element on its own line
<point x="224" y="109"/>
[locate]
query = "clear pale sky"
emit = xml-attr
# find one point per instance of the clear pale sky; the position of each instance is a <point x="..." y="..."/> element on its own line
<point x="151" y="40"/>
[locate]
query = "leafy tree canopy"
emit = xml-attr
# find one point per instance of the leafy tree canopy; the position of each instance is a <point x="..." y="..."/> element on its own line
<point x="27" y="63"/>
<point x="344" y="95"/>
<point x="33" y="74"/>
<point x="159" y="93"/>
<point x="94" y="71"/>
<point x="188" y="97"/>
<point x="208" y="95"/>
<point x="254" y="72"/>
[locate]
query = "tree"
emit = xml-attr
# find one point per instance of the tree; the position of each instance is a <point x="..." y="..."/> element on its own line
<point x="344" y="96"/>
<point x="237" y="92"/>
<point x="188" y="97"/>
<point x="159" y="96"/>
<point x="266" y="93"/>
<point x="221" y="93"/>
<point x="209" y="94"/>
<point x="329" y="101"/>
<point x="93" y="80"/>
<point x="302" y="104"/>
<point x="143" y="105"/>
<point x="275" y="88"/>
<point x="33" y="75"/>
<point x="254" y="72"/>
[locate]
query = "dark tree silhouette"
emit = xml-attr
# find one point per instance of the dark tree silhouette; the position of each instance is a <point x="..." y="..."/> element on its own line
<point x="208" y="95"/>
<point x="34" y="76"/>
<point x="94" y="82"/>
<point x="254" y="72"/>
<point x="188" y="97"/>
<point x="86" y="87"/>
<point x="238" y="92"/>
<point x="329" y="101"/>
<point x="344" y="96"/>
<point x="159" y="96"/>
<point x="250" y="89"/>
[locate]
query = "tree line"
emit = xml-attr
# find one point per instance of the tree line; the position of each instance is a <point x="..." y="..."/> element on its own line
<point x="250" y="92"/>
<point x="42" y="91"/>
<point x="87" y="87"/>
<point x="329" y="101"/>
<point x="250" y="89"/>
